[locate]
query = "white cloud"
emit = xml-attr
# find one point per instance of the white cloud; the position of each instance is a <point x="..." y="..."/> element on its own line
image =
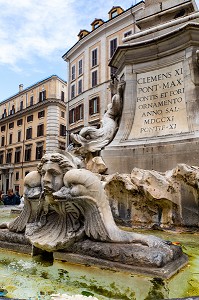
<point x="32" y="29"/>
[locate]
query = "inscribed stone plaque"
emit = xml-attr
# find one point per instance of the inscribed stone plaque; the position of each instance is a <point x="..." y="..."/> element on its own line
<point x="160" y="104"/>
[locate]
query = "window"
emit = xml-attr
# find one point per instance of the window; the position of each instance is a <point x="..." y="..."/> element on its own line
<point x="40" y="130"/>
<point x="72" y="91"/>
<point x="30" y="118"/>
<point x="113" y="46"/>
<point x="17" y="176"/>
<point x="62" y="114"/>
<point x="31" y="100"/>
<point x="113" y="71"/>
<point x="114" y="14"/>
<point x="94" y="58"/>
<point x="29" y="133"/>
<point x="127" y="33"/>
<point x="21" y="105"/>
<point x="19" y="122"/>
<point x="39" y="150"/>
<point x="80" y="86"/>
<point x="80" y="67"/>
<point x="19" y="136"/>
<point x="62" y="130"/>
<point x="4" y="114"/>
<point x="16" y="187"/>
<point x="17" y="154"/>
<point x="28" y="153"/>
<point x="79" y="112"/>
<point x="41" y="114"/>
<point x="94" y="106"/>
<point x="2" y="141"/>
<point x="72" y="116"/>
<point x="62" y="96"/>
<point x="3" y="128"/>
<point x="12" y="111"/>
<point x="94" y="78"/>
<point x="42" y="96"/>
<point x="97" y="24"/>
<point x="10" y="138"/>
<point x="9" y="157"/>
<point x="62" y="146"/>
<point x="11" y="125"/>
<point x="73" y="73"/>
<point x="1" y="157"/>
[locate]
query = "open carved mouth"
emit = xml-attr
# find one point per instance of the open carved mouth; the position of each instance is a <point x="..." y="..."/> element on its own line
<point x="48" y="190"/>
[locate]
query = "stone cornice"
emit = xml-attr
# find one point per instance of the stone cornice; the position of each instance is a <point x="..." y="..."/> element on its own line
<point x="35" y="85"/>
<point x="153" y="48"/>
<point x="30" y="109"/>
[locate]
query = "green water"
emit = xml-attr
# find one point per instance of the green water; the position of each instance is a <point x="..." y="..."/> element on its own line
<point x="5" y="213"/>
<point x="25" y="278"/>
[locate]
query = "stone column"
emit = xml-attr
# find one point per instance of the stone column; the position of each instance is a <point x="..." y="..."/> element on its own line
<point x="4" y="182"/>
<point x="1" y="181"/>
<point x="10" y="178"/>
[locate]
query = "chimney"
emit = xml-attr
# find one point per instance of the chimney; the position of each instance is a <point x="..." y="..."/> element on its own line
<point x="21" y="87"/>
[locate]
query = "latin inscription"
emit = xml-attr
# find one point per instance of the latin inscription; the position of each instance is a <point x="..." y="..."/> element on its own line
<point x="160" y="104"/>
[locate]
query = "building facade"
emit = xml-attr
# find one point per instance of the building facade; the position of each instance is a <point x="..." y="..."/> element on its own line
<point x="89" y="75"/>
<point x="32" y="122"/>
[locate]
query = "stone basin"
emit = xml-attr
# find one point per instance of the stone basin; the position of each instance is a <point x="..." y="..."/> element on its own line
<point x="27" y="278"/>
<point x="30" y="278"/>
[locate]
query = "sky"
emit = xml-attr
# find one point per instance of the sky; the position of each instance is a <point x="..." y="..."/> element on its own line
<point x="34" y="34"/>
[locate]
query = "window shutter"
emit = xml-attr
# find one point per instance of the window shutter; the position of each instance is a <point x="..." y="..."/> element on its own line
<point x="113" y="46"/>
<point x="70" y="116"/>
<point x="82" y="111"/>
<point x="62" y="96"/>
<point x="77" y="113"/>
<point x="98" y="103"/>
<point x="74" y="114"/>
<point x="91" y="107"/>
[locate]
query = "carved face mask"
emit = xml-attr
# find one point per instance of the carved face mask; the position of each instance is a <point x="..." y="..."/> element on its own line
<point x="52" y="176"/>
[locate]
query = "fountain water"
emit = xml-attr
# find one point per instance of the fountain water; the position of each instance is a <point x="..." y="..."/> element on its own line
<point x="27" y="278"/>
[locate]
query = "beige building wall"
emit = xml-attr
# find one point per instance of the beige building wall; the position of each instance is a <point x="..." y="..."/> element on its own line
<point x="120" y="24"/>
<point x="32" y="122"/>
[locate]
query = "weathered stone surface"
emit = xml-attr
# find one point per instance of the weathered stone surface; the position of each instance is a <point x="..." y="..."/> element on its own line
<point x="164" y="272"/>
<point x="144" y="198"/>
<point x="137" y="255"/>
<point x="96" y="165"/>
<point x="14" y="241"/>
<point x="19" y="238"/>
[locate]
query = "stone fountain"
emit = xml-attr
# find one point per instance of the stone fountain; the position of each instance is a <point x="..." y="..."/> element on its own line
<point x="67" y="211"/>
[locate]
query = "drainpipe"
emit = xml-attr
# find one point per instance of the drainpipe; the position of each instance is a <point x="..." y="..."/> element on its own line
<point x="67" y="120"/>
